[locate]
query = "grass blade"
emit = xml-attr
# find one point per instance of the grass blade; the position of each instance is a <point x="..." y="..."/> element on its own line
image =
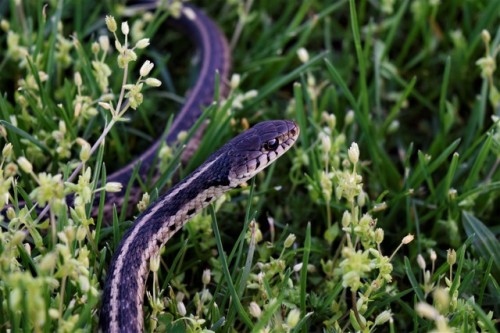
<point x="27" y="136"/>
<point x="484" y="241"/>
<point x="413" y="281"/>
<point x="303" y="273"/>
<point x="227" y="275"/>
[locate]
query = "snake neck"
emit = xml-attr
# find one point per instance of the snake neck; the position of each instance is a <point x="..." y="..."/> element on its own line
<point x="151" y="230"/>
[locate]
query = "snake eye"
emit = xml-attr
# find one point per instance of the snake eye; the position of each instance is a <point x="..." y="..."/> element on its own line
<point x="271" y="144"/>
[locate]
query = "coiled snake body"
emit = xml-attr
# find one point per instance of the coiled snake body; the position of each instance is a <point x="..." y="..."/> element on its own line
<point x="234" y="163"/>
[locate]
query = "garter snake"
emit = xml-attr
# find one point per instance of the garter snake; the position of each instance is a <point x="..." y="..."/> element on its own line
<point x="234" y="163"/>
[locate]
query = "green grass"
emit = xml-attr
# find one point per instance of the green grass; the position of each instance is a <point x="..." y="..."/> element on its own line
<point x="310" y="245"/>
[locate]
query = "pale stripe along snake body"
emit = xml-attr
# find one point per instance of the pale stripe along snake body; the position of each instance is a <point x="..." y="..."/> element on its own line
<point x="234" y="163"/>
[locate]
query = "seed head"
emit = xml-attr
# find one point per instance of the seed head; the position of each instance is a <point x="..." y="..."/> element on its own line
<point x="110" y="23"/>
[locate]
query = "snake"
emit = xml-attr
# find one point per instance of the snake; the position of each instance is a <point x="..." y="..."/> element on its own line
<point x="233" y="164"/>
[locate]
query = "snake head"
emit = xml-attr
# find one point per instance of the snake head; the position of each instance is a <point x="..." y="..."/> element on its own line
<point x="255" y="149"/>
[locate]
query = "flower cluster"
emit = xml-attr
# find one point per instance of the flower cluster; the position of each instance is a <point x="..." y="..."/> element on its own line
<point x="360" y="266"/>
<point x="54" y="228"/>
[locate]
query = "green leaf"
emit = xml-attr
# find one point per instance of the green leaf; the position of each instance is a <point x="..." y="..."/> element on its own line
<point x="484" y="242"/>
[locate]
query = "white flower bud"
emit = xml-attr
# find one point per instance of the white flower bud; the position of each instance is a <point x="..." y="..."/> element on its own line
<point x="5" y="25"/>
<point x="349" y="117"/>
<point x="421" y="262"/>
<point x="303" y="55"/>
<point x="27" y="248"/>
<point x="427" y="311"/>
<point x="105" y="106"/>
<point x="380" y="207"/>
<point x="7" y="151"/>
<point x="326" y="143"/>
<point x="125" y="28"/>
<point x="289" y="240"/>
<point x="255" y="310"/>
<point x="54" y="313"/>
<point x="346" y="219"/>
<point x="118" y="46"/>
<point x="329" y="118"/>
<point x="293" y="318"/>
<point x="152" y="82"/>
<point x="441" y="298"/>
<point x="84" y="283"/>
<point x="379" y="235"/>
<point x="107" y="97"/>
<point x="451" y="257"/>
<point x="113" y="187"/>
<point x="81" y="233"/>
<point x="43" y="76"/>
<point x="251" y="94"/>
<point x="485" y="35"/>
<point x="235" y="81"/>
<point x="205" y="278"/>
<point x="104" y="43"/>
<point x="78" y="79"/>
<point x="154" y="262"/>
<point x="383" y="317"/>
<point x="408" y="239"/>
<point x="146" y="68"/>
<point x="182" y="136"/>
<point x="362" y="199"/>
<point x="95" y="48"/>
<point x="143" y="43"/>
<point x="144" y="203"/>
<point x="85" y="152"/>
<point x="353" y="153"/>
<point x="393" y="126"/>
<point x="452" y="193"/>
<point x="24" y="164"/>
<point x="433" y="255"/>
<point x="181" y="308"/>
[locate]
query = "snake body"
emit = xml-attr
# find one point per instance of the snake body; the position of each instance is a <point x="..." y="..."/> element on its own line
<point x="234" y="163"/>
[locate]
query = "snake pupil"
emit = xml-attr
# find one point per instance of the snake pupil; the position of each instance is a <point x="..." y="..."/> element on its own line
<point x="271" y="144"/>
